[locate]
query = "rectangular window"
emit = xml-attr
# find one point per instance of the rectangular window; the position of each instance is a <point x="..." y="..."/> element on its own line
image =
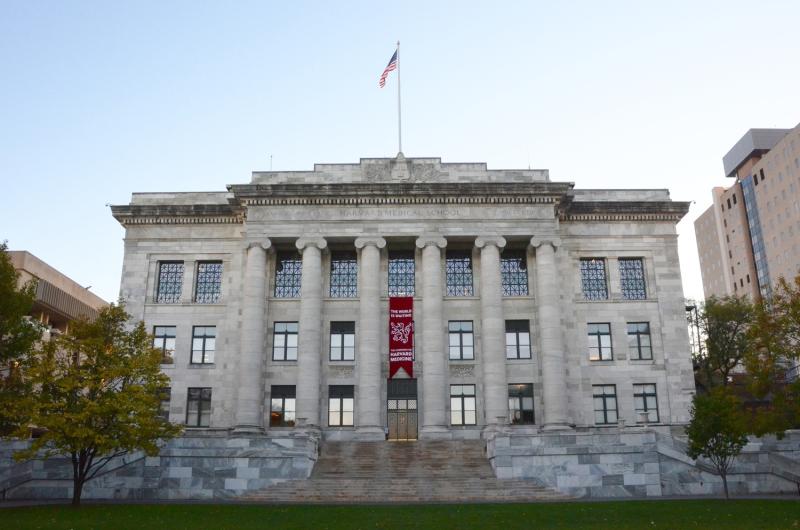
<point x="645" y="401"/>
<point x="520" y="404"/>
<point x="340" y="405"/>
<point x="462" y="405"/>
<point x="593" y="279"/>
<point x="170" y="282"/>
<point x="343" y="341"/>
<point x="288" y="275"/>
<point x="282" y="406"/>
<point x="605" y="404"/>
<point x="639" y="341"/>
<point x="198" y="407"/>
<point x="208" y="284"/>
<point x="284" y="342"/>
<point x="164" y="395"/>
<point x="458" y="265"/>
<point x="600" y="342"/>
<point x="401" y="274"/>
<point x="461" y="346"/>
<point x="631" y="278"/>
<point x="518" y="339"/>
<point x="514" y="273"/>
<point x="164" y="340"/>
<point x="203" y="344"/>
<point x="344" y="275"/>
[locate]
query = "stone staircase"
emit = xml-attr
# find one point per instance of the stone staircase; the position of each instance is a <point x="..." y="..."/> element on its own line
<point x="403" y="472"/>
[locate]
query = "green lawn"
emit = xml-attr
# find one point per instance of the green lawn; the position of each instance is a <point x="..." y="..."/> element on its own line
<point x="679" y="514"/>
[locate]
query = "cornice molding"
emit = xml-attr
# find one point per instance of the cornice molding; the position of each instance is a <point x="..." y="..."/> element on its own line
<point x="178" y="214"/>
<point x="624" y="211"/>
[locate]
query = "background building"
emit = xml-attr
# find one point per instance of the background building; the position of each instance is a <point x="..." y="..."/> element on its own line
<point x="750" y="236"/>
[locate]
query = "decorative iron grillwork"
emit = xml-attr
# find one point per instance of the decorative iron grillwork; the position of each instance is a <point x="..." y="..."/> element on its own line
<point x="401" y="274"/>
<point x="344" y="275"/>
<point x="631" y="278"/>
<point x="288" y="276"/>
<point x="514" y="273"/>
<point x="170" y="280"/>
<point x="209" y="282"/>
<point x="459" y="274"/>
<point x="593" y="279"/>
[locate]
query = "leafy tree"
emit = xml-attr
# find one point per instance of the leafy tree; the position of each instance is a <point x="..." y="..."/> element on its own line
<point x="18" y="335"/>
<point x="717" y="430"/>
<point x="95" y="393"/>
<point x="775" y="334"/>
<point x="724" y="322"/>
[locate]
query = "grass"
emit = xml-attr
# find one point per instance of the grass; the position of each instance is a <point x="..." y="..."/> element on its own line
<point x="678" y="514"/>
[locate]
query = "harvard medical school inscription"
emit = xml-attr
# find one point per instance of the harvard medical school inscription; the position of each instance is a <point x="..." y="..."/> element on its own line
<point x="421" y="212"/>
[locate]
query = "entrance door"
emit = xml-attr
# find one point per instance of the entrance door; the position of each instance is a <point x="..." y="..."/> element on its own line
<point x="401" y="409"/>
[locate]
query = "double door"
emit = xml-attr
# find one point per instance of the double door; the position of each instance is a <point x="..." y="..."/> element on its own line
<point x="401" y="409"/>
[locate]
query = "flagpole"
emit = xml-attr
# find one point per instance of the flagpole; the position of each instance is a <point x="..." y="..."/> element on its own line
<point x="399" y="114"/>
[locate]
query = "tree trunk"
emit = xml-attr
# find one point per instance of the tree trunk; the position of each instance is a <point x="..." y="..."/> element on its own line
<point x="725" y="484"/>
<point x="77" y="489"/>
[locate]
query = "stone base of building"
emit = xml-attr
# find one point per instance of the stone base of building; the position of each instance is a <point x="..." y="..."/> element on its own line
<point x="202" y="465"/>
<point x="639" y="462"/>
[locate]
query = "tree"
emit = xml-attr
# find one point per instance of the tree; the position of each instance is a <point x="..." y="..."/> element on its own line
<point x="18" y="335"/>
<point x="717" y="430"/>
<point x="95" y="393"/>
<point x="775" y="334"/>
<point x="724" y="322"/>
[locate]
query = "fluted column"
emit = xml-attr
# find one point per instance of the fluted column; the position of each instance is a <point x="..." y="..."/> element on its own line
<point x="495" y="382"/>
<point x="250" y="398"/>
<point x="434" y="393"/>
<point x="554" y="387"/>
<point x="309" y="341"/>
<point x="368" y="362"/>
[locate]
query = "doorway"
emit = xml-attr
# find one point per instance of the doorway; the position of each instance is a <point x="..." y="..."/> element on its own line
<point x="401" y="409"/>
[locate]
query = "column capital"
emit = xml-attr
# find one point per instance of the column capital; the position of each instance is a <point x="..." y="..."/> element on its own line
<point x="490" y="240"/>
<point x="537" y="241"/>
<point x="431" y="239"/>
<point x="308" y="241"/>
<point x="376" y="241"/>
<point x="264" y="244"/>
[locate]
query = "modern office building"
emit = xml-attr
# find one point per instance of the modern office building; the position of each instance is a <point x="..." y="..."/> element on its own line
<point x="750" y="236"/>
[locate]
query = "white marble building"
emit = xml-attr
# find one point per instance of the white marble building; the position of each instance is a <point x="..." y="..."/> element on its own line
<point x="535" y="304"/>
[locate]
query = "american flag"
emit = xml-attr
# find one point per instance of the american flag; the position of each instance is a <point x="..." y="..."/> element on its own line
<point x="389" y="67"/>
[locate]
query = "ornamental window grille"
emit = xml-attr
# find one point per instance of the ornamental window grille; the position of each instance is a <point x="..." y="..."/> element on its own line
<point x="343" y="341"/>
<point x="514" y="273"/>
<point x="208" y="285"/>
<point x="340" y="405"/>
<point x="164" y="340"/>
<point x="282" y="406"/>
<point x="462" y="405"/>
<point x="164" y="395"/>
<point x="401" y="273"/>
<point x="631" y="278"/>
<point x="288" y="275"/>
<point x="600" y="342"/>
<point x="518" y="339"/>
<point x="458" y="265"/>
<point x="520" y="404"/>
<point x="605" y="404"/>
<point x="204" y="339"/>
<point x="198" y="407"/>
<point x="593" y="279"/>
<point x="170" y="282"/>
<point x="639" y="347"/>
<point x="645" y="401"/>
<point x="284" y="342"/>
<point x="461" y="340"/>
<point x="344" y="275"/>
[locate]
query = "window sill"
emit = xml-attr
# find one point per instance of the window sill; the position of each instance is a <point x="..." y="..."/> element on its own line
<point x="602" y="361"/>
<point x="342" y="363"/>
<point x="200" y="366"/>
<point x="184" y="304"/>
<point x="581" y="300"/>
<point x="643" y="361"/>
<point x="470" y="297"/>
<point x="519" y="359"/>
<point x="462" y="361"/>
<point x="287" y="361"/>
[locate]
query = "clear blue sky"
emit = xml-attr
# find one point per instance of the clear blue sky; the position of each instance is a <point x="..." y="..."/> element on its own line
<point x="101" y="99"/>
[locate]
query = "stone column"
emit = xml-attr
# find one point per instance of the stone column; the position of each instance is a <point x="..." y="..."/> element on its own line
<point x="434" y="393"/>
<point x="554" y="381"/>
<point x="368" y="362"/>
<point x="250" y="399"/>
<point x="495" y="382"/>
<point x="309" y="340"/>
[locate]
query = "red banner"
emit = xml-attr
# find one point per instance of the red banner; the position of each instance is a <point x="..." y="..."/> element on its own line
<point x="401" y="335"/>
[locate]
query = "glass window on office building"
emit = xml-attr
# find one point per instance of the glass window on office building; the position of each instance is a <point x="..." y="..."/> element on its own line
<point x="520" y="404"/>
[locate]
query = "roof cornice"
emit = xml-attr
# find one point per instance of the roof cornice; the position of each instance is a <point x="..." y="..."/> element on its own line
<point x="623" y="211"/>
<point x="147" y="214"/>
